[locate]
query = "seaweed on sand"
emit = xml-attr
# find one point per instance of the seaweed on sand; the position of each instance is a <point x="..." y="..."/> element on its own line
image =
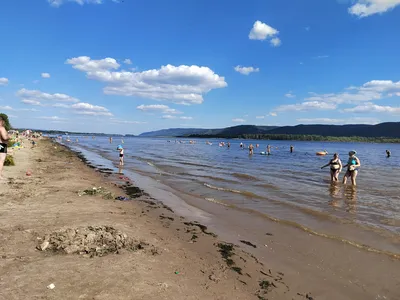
<point x="203" y="228"/>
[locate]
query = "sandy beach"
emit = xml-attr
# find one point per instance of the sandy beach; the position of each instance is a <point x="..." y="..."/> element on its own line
<point x="147" y="251"/>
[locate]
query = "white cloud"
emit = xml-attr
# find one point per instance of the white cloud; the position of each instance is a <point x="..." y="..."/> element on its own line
<point x="31" y="102"/>
<point x="179" y="84"/>
<point x="290" y="95"/>
<point x="158" y="108"/>
<point x="365" y="8"/>
<point x="260" y="117"/>
<point x="61" y="105"/>
<point x="54" y="118"/>
<point x="308" y="105"/>
<point x="276" y="42"/>
<point x="186" y="118"/>
<point x="238" y="120"/>
<point x="57" y="3"/>
<point x="339" y="121"/>
<point x="38" y="96"/>
<point x="127" y="61"/>
<point x="3" y="81"/>
<point x="321" y="56"/>
<point x="320" y="120"/>
<point x="117" y="121"/>
<point x="273" y="114"/>
<point x="6" y="108"/>
<point x="369" y="91"/>
<point x="45" y="75"/>
<point x="83" y="108"/>
<point x="168" y="117"/>
<point x="373" y="108"/>
<point x="246" y="70"/>
<point x="262" y="31"/>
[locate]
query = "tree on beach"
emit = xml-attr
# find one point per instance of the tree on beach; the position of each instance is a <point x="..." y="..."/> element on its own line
<point x="7" y="124"/>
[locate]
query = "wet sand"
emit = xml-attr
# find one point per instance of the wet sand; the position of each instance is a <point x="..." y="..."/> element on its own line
<point x="181" y="259"/>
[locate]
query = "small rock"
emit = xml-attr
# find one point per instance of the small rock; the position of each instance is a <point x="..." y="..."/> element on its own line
<point x="213" y="278"/>
<point x="44" y="245"/>
<point x="51" y="286"/>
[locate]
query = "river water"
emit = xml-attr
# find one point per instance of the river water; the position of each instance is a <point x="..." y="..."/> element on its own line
<point x="285" y="187"/>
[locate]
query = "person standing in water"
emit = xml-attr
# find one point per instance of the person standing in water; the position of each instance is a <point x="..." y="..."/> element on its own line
<point x="352" y="165"/>
<point x="110" y="139"/>
<point x="3" y="145"/>
<point x="121" y="155"/>
<point x="336" y="167"/>
<point x="241" y="145"/>
<point x="291" y="149"/>
<point x="388" y="153"/>
<point x="229" y="144"/>
<point x="269" y="150"/>
<point x="251" y="149"/>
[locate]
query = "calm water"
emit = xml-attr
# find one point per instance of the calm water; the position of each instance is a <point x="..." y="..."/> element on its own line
<point x="287" y="186"/>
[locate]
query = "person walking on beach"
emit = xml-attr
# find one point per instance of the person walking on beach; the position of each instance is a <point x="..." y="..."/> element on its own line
<point x="336" y="167"/>
<point x="3" y="145"/>
<point x="352" y="168"/>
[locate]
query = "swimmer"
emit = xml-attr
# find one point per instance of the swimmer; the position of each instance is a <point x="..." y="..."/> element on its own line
<point x="291" y="149"/>
<point x="3" y="145"/>
<point x="251" y="149"/>
<point x="352" y="165"/>
<point x="121" y="156"/>
<point x="388" y="153"/>
<point x="336" y="167"/>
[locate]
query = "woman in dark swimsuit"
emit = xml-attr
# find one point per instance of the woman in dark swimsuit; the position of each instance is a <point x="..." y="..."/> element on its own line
<point x="336" y="167"/>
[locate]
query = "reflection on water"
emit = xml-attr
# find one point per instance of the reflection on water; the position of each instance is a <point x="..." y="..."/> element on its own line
<point x="258" y="182"/>
<point x="346" y="194"/>
<point x="350" y="198"/>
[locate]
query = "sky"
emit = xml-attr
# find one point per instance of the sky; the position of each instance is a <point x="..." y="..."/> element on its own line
<point x="130" y="66"/>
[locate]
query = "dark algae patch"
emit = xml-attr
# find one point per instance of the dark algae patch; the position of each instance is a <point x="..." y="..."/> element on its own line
<point x="248" y="243"/>
<point x="133" y="191"/>
<point x="162" y="217"/>
<point x="203" y="228"/>
<point x="227" y="252"/>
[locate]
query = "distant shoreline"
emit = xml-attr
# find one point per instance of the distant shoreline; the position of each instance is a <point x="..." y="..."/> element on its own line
<point x="300" y="137"/>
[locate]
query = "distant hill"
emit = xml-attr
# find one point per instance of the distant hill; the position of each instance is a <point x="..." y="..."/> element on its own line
<point x="389" y="129"/>
<point x="219" y="132"/>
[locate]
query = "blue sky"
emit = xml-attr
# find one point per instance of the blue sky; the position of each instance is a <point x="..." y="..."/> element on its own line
<point x="130" y="66"/>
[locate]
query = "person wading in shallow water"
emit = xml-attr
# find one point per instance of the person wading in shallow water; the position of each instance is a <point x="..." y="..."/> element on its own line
<point x="388" y="153"/>
<point x="251" y="149"/>
<point x="3" y="145"/>
<point x="352" y="167"/>
<point x="336" y="167"/>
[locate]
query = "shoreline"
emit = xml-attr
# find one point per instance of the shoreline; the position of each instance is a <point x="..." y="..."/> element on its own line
<point x="312" y="266"/>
